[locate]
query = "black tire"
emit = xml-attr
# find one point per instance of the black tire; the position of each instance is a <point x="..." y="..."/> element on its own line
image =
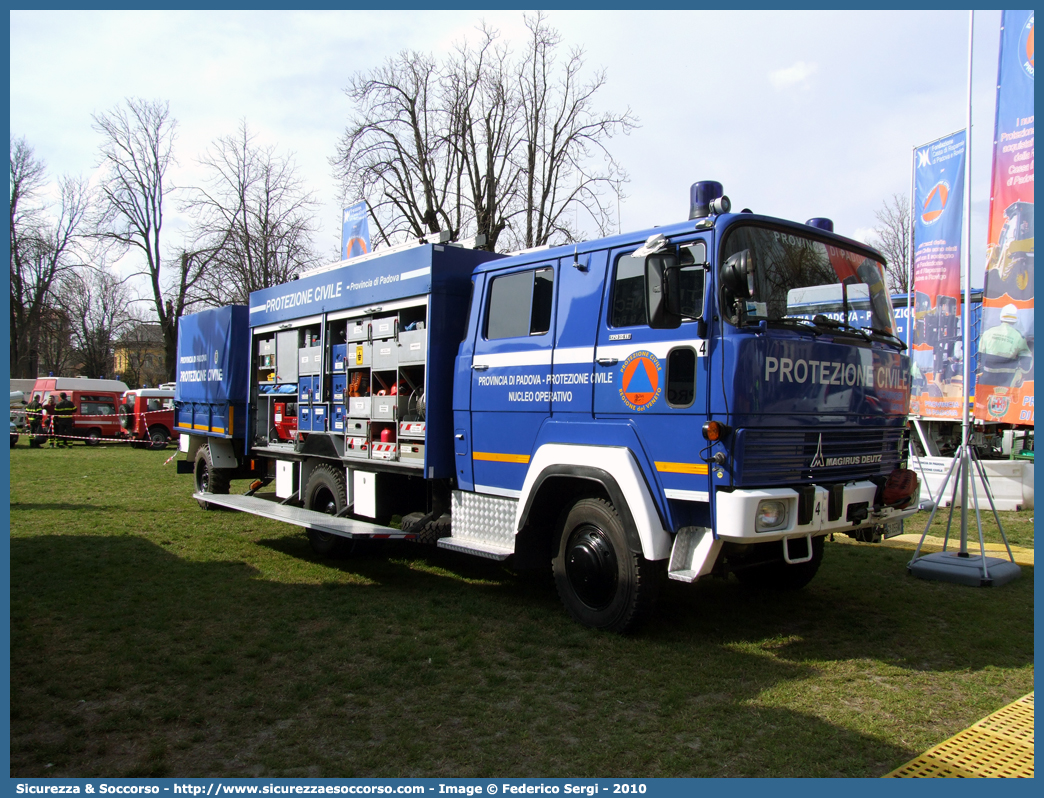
<point x="209" y="479"/>
<point x="428" y="530"/>
<point x="602" y="583"/>
<point x="126" y="414"/>
<point x="326" y="492"/>
<point x="93" y="437"/>
<point x="14" y="439"/>
<point x="158" y="438"/>
<point x="775" y="573"/>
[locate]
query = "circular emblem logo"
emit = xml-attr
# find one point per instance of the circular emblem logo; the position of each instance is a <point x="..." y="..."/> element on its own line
<point x="640" y="380"/>
<point x="936" y="202"/>
<point x="997" y="406"/>
<point x="1026" y="47"/>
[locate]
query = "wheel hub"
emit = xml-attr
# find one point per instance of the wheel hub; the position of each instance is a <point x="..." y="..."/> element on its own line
<point x="591" y="567"/>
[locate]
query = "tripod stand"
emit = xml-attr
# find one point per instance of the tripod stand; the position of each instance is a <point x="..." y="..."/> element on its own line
<point x="960" y="566"/>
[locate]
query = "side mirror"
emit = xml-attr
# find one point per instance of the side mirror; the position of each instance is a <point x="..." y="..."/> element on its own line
<point x="662" y="294"/>
<point x="737" y="275"/>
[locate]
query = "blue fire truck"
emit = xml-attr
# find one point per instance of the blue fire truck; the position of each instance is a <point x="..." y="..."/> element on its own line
<point x="657" y="404"/>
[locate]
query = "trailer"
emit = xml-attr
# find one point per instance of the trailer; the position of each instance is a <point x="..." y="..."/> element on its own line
<point x="646" y="406"/>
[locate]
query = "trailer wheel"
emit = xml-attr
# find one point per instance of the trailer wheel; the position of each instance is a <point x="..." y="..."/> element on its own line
<point x="602" y="583"/>
<point x="208" y="478"/>
<point x="775" y="573"/>
<point x="326" y="492"/>
<point x="158" y="438"/>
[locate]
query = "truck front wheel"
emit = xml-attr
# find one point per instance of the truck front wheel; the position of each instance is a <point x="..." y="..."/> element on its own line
<point x="208" y="478"/>
<point x="325" y="492"/>
<point x="602" y="583"/>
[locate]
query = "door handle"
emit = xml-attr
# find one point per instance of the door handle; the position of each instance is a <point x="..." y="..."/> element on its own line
<point x="459" y="436"/>
<point x="480" y="366"/>
<point x="607" y="361"/>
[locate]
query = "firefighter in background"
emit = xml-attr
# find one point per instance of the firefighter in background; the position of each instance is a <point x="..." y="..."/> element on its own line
<point x="63" y="420"/>
<point x="34" y="416"/>
<point x="49" y="413"/>
<point x="1004" y="355"/>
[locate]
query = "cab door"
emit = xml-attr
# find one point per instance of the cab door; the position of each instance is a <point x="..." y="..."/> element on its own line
<point x="658" y="380"/>
<point x="511" y="374"/>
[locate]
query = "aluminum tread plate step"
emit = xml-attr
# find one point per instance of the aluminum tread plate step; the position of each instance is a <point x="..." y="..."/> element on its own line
<point x="479" y="548"/>
<point x="309" y="519"/>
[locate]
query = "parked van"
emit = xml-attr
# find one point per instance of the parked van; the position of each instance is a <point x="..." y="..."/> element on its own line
<point x="96" y="404"/>
<point x="147" y="416"/>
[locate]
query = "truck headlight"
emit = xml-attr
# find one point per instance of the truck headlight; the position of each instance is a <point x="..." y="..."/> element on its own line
<point x="772" y="513"/>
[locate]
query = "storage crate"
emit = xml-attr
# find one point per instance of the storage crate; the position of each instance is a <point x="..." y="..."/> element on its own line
<point x="385" y="355"/>
<point x="359" y="406"/>
<point x="338" y="387"/>
<point x="340" y="352"/>
<point x="411" y="452"/>
<point x="358" y="329"/>
<point x="387" y="407"/>
<point x="413" y="347"/>
<point x="384" y="328"/>
<point x="310" y="360"/>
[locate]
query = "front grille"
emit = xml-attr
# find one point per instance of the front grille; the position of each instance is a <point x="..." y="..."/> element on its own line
<point x="785" y="457"/>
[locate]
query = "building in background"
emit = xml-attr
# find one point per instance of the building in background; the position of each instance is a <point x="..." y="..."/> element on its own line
<point x="139" y="356"/>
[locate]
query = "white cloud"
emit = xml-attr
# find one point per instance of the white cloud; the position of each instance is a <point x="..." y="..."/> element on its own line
<point x="864" y="234"/>
<point x="796" y="75"/>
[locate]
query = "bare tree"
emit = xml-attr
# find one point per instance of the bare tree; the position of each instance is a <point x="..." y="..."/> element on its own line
<point x="97" y="304"/>
<point x="395" y="152"/>
<point x="892" y="237"/>
<point x="564" y="133"/>
<point x="43" y="247"/>
<point x="136" y="152"/>
<point x="57" y="354"/>
<point x="483" y="144"/>
<point x="486" y="134"/>
<point x="254" y="220"/>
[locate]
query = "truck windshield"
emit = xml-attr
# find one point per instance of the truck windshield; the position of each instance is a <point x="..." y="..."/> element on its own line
<point x="803" y="279"/>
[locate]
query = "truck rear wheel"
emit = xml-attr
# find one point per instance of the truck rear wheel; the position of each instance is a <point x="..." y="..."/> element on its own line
<point x="602" y="583"/>
<point x="208" y="478"/>
<point x="775" y="573"/>
<point x="326" y="492"/>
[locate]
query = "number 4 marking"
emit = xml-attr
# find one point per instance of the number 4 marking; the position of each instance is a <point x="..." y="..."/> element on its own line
<point x="703" y="349"/>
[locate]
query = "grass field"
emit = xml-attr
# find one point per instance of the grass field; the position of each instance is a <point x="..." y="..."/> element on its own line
<point x="150" y="638"/>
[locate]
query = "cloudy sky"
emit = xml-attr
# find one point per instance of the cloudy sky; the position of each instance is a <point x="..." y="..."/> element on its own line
<point x="798" y="114"/>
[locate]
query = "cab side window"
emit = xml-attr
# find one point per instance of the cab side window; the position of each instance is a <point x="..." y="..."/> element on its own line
<point x="520" y="304"/>
<point x="629" y="293"/>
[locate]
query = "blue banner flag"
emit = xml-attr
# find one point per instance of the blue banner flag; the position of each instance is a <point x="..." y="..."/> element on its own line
<point x="938" y="222"/>
<point x="355" y="232"/>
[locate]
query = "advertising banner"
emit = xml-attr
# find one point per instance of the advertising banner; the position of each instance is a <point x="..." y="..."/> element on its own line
<point x="1004" y="391"/>
<point x="937" y="353"/>
<point x="355" y="231"/>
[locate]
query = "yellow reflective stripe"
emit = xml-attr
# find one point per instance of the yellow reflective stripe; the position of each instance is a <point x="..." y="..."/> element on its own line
<point x="497" y="457"/>
<point x="682" y="468"/>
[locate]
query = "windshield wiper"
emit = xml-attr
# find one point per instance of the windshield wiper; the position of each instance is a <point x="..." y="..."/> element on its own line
<point x="797" y="321"/>
<point x="894" y="338"/>
<point x="840" y="326"/>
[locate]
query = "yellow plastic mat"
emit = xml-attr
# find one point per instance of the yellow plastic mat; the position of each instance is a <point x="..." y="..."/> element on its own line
<point x="998" y="746"/>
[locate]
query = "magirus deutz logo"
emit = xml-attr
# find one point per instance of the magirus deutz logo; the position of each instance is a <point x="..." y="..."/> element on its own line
<point x="819" y="461"/>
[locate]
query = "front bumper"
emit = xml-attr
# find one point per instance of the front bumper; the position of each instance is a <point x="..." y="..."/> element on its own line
<point x="737" y="512"/>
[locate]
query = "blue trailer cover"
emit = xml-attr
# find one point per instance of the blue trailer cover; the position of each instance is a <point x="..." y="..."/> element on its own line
<point x="213" y="356"/>
<point x="359" y="284"/>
